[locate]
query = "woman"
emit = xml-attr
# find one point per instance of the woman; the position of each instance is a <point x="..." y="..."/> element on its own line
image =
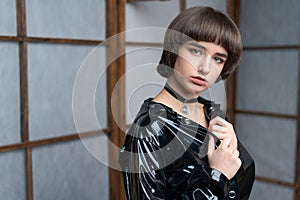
<point x="180" y="146"/>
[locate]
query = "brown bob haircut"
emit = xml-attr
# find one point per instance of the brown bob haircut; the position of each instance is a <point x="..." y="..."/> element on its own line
<point x="201" y="24"/>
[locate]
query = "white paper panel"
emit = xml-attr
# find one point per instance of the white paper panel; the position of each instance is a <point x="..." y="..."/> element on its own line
<point x="217" y="4"/>
<point x="270" y="22"/>
<point x="267" y="191"/>
<point x="142" y="80"/>
<point x="52" y="73"/>
<point x="268" y="81"/>
<point x="68" y="171"/>
<point x="150" y="14"/>
<point x="66" y="18"/>
<point x="12" y="176"/>
<point x="9" y="95"/>
<point x="271" y="142"/>
<point x="8" y="17"/>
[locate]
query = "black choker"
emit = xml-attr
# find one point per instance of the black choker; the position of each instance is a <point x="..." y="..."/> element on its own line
<point x="184" y="108"/>
<point x="178" y="96"/>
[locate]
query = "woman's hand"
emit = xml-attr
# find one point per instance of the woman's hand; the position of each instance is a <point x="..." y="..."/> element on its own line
<point x="225" y="160"/>
<point x="226" y="157"/>
<point x="224" y="131"/>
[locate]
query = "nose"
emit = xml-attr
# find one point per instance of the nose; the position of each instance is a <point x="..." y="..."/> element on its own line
<point x="204" y="65"/>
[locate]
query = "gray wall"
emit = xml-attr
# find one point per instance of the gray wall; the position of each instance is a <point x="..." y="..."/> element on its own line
<point x="268" y="82"/>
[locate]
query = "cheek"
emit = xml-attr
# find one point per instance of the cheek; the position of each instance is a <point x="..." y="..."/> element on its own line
<point x="179" y="64"/>
<point x="184" y="65"/>
<point x="216" y="71"/>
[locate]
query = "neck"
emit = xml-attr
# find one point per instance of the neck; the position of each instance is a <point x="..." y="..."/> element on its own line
<point x="178" y="96"/>
<point x="180" y="91"/>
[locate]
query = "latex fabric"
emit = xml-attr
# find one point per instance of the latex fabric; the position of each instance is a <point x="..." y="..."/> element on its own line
<point x="164" y="156"/>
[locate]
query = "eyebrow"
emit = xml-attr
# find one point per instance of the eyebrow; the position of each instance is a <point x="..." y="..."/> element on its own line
<point x="195" y="44"/>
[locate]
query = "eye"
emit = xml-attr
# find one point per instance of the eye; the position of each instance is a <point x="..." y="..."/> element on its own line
<point x="195" y="51"/>
<point x="219" y="60"/>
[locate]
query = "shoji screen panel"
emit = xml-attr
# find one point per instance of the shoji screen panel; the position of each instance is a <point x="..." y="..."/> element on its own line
<point x="8" y="17"/>
<point x="42" y="155"/>
<point x="75" y="173"/>
<point x="66" y="19"/>
<point x="66" y="170"/>
<point x="265" y="191"/>
<point x="267" y="113"/>
<point x="268" y="81"/>
<point x="271" y="141"/>
<point x="141" y="15"/>
<point x="9" y="96"/>
<point x="52" y="70"/>
<point x="270" y="22"/>
<point x="13" y="174"/>
<point x="52" y="74"/>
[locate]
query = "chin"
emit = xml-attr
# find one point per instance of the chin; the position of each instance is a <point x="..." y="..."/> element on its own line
<point x="200" y="89"/>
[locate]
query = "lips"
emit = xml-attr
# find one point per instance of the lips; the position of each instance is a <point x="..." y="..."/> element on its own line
<point x="199" y="80"/>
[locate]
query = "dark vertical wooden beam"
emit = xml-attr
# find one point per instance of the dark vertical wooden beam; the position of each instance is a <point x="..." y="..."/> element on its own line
<point x="297" y="159"/>
<point x="233" y="8"/>
<point x="182" y="5"/>
<point x="23" y="90"/>
<point x="231" y="97"/>
<point x="115" y="23"/>
<point x="21" y="18"/>
<point x="122" y="93"/>
<point x="23" y="65"/>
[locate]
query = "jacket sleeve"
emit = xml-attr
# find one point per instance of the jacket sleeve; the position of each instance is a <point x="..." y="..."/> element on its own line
<point x="246" y="175"/>
<point x="142" y="175"/>
<point x="198" y="181"/>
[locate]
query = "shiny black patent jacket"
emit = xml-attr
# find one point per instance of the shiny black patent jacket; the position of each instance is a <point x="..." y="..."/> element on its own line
<point x="164" y="157"/>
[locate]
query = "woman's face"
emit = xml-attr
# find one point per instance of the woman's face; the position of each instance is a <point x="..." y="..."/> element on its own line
<point x="197" y="67"/>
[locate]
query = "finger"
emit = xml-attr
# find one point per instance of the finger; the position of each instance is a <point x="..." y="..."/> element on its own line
<point x="236" y="153"/>
<point x="223" y="136"/>
<point x="216" y="134"/>
<point x="239" y="162"/>
<point x="218" y="128"/>
<point x="235" y="144"/>
<point x="218" y="120"/>
<point x="225" y="143"/>
<point x="210" y="145"/>
<point x="221" y="122"/>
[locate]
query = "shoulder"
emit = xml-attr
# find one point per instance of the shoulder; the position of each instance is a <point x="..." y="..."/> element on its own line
<point x="152" y="113"/>
<point x="151" y="126"/>
<point x="144" y="136"/>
